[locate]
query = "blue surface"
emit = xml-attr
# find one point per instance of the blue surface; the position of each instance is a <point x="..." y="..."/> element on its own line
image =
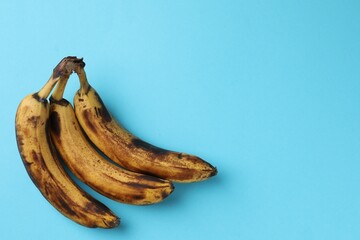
<point x="267" y="91"/>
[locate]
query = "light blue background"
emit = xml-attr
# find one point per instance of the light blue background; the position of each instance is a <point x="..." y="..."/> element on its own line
<point x="267" y="91"/>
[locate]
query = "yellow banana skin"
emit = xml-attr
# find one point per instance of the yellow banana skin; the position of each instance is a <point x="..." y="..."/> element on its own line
<point x="91" y="167"/>
<point x="129" y="151"/>
<point x="45" y="170"/>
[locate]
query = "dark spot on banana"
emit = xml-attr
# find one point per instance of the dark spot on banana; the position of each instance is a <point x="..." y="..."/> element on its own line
<point x="35" y="156"/>
<point x="38" y="160"/>
<point x="46" y="187"/>
<point x="148" y="147"/>
<point x="60" y="198"/>
<point x="112" y="224"/>
<point x="87" y="114"/>
<point x="34" y="120"/>
<point x="62" y="102"/>
<point x="138" y="197"/>
<point x="39" y="99"/>
<point x="96" y="111"/>
<point x="138" y="185"/>
<point x="54" y="121"/>
<point x="50" y="143"/>
<point x="65" y="206"/>
<point x="165" y="194"/>
<point x="102" y="111"/>
<point x="75" y="127"/>
<point x="185" y="173"/>
<point x="109" y="129"/>
<point x="151" y="178"/>
<point x="26" y="131"/>
<point x="180" y="156"/>
<point x="81" y="99"/>
<point x="96" y="206"/>
<point x="214" y="172"/>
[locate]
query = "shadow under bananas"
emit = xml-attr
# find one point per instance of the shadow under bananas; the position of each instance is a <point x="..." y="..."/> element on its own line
<point x="186" y="191"/>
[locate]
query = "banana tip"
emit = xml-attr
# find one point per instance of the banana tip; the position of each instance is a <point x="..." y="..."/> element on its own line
<point x="113" y="223"/>
<point x="214" y="172"/>
<point x="172" y="187"/>
<point x="168" y="191"/>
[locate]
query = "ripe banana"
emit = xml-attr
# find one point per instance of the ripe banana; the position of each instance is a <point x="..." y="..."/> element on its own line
<point x="128" y="150"/>
<point x="91" y="167"/>
<point x="42" y="165"/>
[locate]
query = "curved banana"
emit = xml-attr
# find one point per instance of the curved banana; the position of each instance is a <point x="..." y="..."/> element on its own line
<point x="91" y="167"/>
<point x="44" y="168"/>
<point x="128" y="150"/>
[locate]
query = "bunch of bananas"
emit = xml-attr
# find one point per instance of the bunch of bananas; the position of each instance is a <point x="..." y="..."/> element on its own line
<point x="85" y="138"/>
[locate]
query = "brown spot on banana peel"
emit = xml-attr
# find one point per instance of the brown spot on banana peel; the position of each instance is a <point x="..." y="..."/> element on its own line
<point x="148" y="147"/>
<point x="129" y="198"/>
<point x="52" y="147"/>
<point x="62" y="201"/>
<point x="34" y="120"/>
<point x="39" y="99"/>
<point x="138" y="197"/>
<point x="84" y="90"/>
<point x="143" y="186"/>
<point x="151" y="178"/>
<point x="166" y="194"/>
<point x="213" y="172"/>
<point x="65" y="206"/>
<point x="38" y="159"/>
<point x="62" y="102"/>
<point x="140" y="186"/>
<point x="55" y="124"/>
<point x="86" y="113"/>
<point x="97" y="206"/>
<point x="35" y="157"/>
<point x="102" y="110"/>
<point x="96" y="111"/>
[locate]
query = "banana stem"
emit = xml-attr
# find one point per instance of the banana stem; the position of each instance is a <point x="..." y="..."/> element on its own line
<point x="84" y="84"/>
<point x="44" y="92"/>
<point x="60" y="88"/>
<point x="61" y="72"/>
